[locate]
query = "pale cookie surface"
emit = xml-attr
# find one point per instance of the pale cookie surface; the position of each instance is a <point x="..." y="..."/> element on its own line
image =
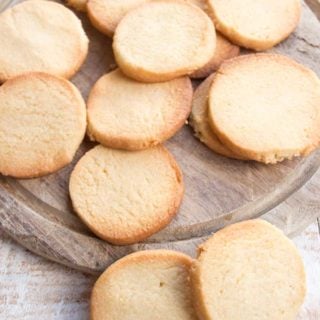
<point x="266" y="107"/>
<point x="255" y="24"/>
<point x="224" y="50"/>
<point x="126" y="114"/>
<point x="145" y="285"/>
<point x="248" y="271"/>
<point x="41" y="36"/>
<point x="80" y="5"/>
<point x="42" y="123"/>
<point x="125" y="196"/>
<point x="105" y="15"/>
<point x="163" y="40"/>
<point x="199" y="120"/>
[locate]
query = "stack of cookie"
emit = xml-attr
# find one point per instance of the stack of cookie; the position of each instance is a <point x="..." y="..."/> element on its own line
<point x="251" y="115"/>
<point x="129" y="187"/>
<point x="247" y="271"/>
<point x="261" y="107"/>
<point x="136" y="108"/>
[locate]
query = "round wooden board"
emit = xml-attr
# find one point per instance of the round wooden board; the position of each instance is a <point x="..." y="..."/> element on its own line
<point x="219" y="191"/>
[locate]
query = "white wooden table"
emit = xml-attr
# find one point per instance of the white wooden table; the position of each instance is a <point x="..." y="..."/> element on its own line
<point x="34" y="288"/>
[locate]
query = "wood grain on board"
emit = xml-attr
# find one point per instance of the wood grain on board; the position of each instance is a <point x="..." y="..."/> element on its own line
<point x="219" y="191"/>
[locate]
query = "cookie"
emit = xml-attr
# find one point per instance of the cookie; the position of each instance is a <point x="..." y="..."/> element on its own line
<point x="266" y="107"/>
<point x="41" y="36"/>
<point x="126" y="196"/>
<point x="105" y="15"/>
<point x="145" y="285"/>
<point x="149" y="47"/>
<point x="253" y="24"/>
<point x="248" y="271"/>
<point x="42" y="123"/>
<point x="199" y="120"/>
<point x="126" y="114"/>
<point x="80" y="5"/>
<point x="224" y="50"/>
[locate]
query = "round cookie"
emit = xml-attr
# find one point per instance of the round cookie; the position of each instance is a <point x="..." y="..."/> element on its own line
<point x="149" y="47"/>
<point x="105" y="15"/>
<point x="145" y="285"/>
<point x="124" y="197"/>
<point x="42" y="123"/>
<point x="80" y="5"/>
<point x="224" y="50"/>
<point x="41" y="36"/>
<point x="265" y="107"/>
<point x="250" y="271"/>
<point x="199" y="120"/>
<point x="255" y="24"/>
<point x="126" y="114"/>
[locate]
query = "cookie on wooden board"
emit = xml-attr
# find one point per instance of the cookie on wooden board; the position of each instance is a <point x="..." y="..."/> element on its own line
<point x="149" y="47"/>
<point x="42" y="123"/>
<point x="105" y="15"/>
<point x="145" y="285"/>
<point x="253" y="24"/>
<point x="200" y="123"/>
<point x="126" y="114"/>
<point x="248" y="271"/>
<point x="266" y="107"/>
<point x="224" y="50"/>
<point x="126" y="196"/>
<point x="41" y="36"/>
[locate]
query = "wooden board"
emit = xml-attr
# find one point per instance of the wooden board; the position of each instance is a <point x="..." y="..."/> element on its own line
<point x="219" y="191"/>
